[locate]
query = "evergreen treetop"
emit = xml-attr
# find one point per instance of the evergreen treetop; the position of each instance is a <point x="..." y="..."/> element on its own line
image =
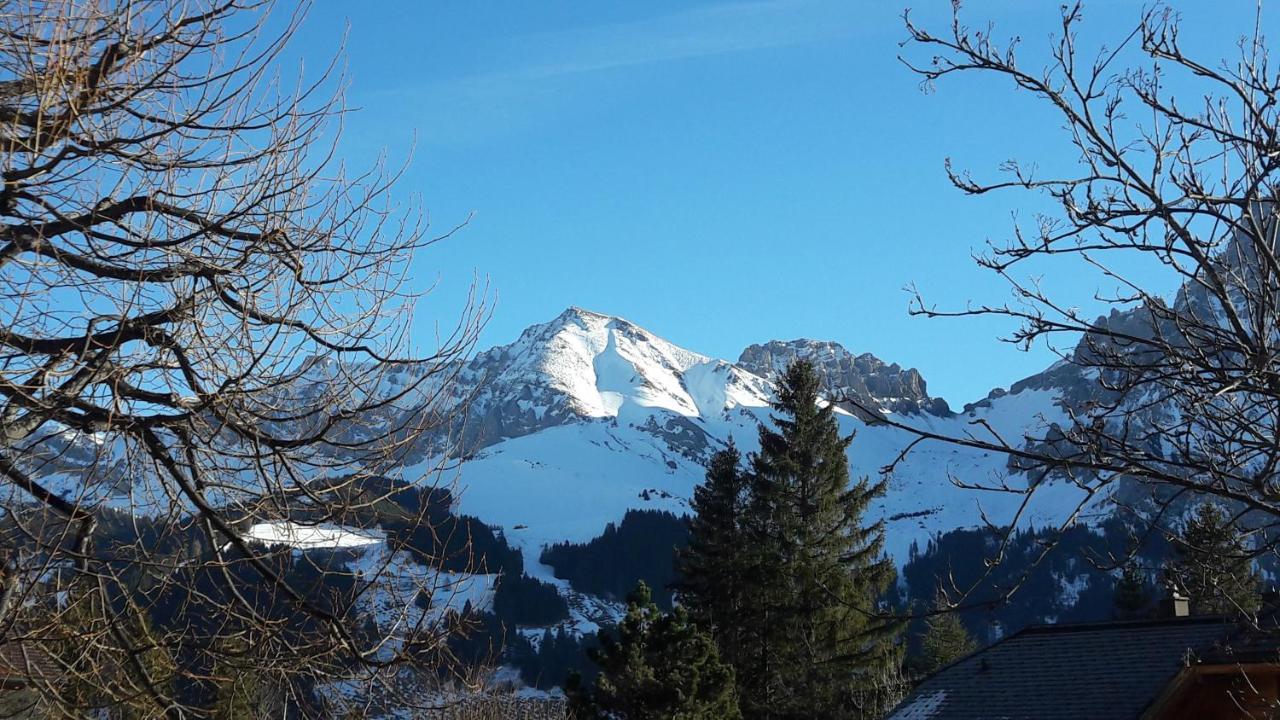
<point x="945" y="638"/>
<point x="711" y="566"/>
<point x="1132" y="598"/>
<point x="1213" y="566"/>
<point x="659" y="666"/>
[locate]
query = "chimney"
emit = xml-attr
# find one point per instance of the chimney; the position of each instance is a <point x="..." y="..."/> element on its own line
<point x="1176" y="604"/>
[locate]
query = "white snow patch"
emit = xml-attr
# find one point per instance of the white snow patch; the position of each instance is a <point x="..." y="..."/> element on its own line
<point x="1069" y="590"/>
<point x="309" y="537"/>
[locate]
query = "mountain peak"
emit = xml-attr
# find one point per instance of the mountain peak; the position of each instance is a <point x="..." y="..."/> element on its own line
<point x="587" y="365"/>
<point x="574" y="312"/>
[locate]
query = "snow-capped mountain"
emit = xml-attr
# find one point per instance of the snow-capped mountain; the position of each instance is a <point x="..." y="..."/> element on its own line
<point x="587" y="416"/>
<point x="582" y="366"/>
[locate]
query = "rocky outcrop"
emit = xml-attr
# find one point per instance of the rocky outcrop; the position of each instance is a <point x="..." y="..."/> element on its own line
<point x="873" y="382"/>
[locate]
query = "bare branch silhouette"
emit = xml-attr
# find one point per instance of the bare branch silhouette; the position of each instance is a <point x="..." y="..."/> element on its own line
<point x="204" y="326"/>
<point x="1179" y="397"/>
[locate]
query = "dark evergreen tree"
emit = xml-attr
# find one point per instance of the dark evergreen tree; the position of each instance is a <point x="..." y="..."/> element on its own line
<point x="814" y="573"/>
<point x="483" y="644"/>
<point x="711" y="566"/>
<point x="659" y="667"/>
<point x="558" y="657"/>
<point x="945" y="638"/>
<point x="1132" y="598"/>
<point x="964" y="557"/>
<point x="1212" y="565"/>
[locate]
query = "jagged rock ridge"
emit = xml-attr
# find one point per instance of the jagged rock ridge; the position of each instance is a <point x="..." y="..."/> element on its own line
<point x="874" y="383"/>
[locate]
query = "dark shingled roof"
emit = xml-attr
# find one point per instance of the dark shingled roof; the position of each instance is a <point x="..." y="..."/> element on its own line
<point x="22" y="664"/>
<point x="1103" y="671"/>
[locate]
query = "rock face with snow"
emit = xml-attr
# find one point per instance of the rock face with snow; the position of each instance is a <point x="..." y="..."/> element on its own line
<point x="583" y="366"/>
<point x="874" y="383"/>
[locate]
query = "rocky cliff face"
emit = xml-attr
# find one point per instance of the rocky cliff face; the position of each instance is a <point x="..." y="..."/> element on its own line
<point x="874" y="383"/>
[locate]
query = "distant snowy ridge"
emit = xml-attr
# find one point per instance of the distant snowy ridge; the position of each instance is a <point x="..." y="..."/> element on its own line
<point x="864" y="378"/>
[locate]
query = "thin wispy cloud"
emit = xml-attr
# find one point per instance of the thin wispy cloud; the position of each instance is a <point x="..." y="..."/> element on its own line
<point x="515" y="89"/>
<point x="701" y="32"/>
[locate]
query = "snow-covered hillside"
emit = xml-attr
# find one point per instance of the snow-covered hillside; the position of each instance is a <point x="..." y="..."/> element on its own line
<point x="606" y="416"/>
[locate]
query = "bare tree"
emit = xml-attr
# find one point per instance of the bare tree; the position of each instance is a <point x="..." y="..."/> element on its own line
<point x="1183" y="396"/>
<point x="203" y="325"/>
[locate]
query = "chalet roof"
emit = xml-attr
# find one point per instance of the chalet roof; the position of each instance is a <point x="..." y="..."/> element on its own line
<point x="1106" y="671"/>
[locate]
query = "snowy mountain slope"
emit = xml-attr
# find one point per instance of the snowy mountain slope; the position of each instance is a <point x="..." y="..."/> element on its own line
<point x="567" y="483"/>
<point x="587" y="415"/>
<point x="586" y="365"/>
<point x="606" y="416"/>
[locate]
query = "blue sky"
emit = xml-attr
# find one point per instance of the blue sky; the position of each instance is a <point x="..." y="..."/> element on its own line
<point x="721" y="173"/>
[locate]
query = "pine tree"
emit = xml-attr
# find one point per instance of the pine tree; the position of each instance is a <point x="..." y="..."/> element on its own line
<point x="945" y="639"/>
<point x="659" y="667"/>
<point x="813" y="572"/>
<point x="1211" y="564"/>
<point x="710" y="567"/>
<point x="1132" y="599"/>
